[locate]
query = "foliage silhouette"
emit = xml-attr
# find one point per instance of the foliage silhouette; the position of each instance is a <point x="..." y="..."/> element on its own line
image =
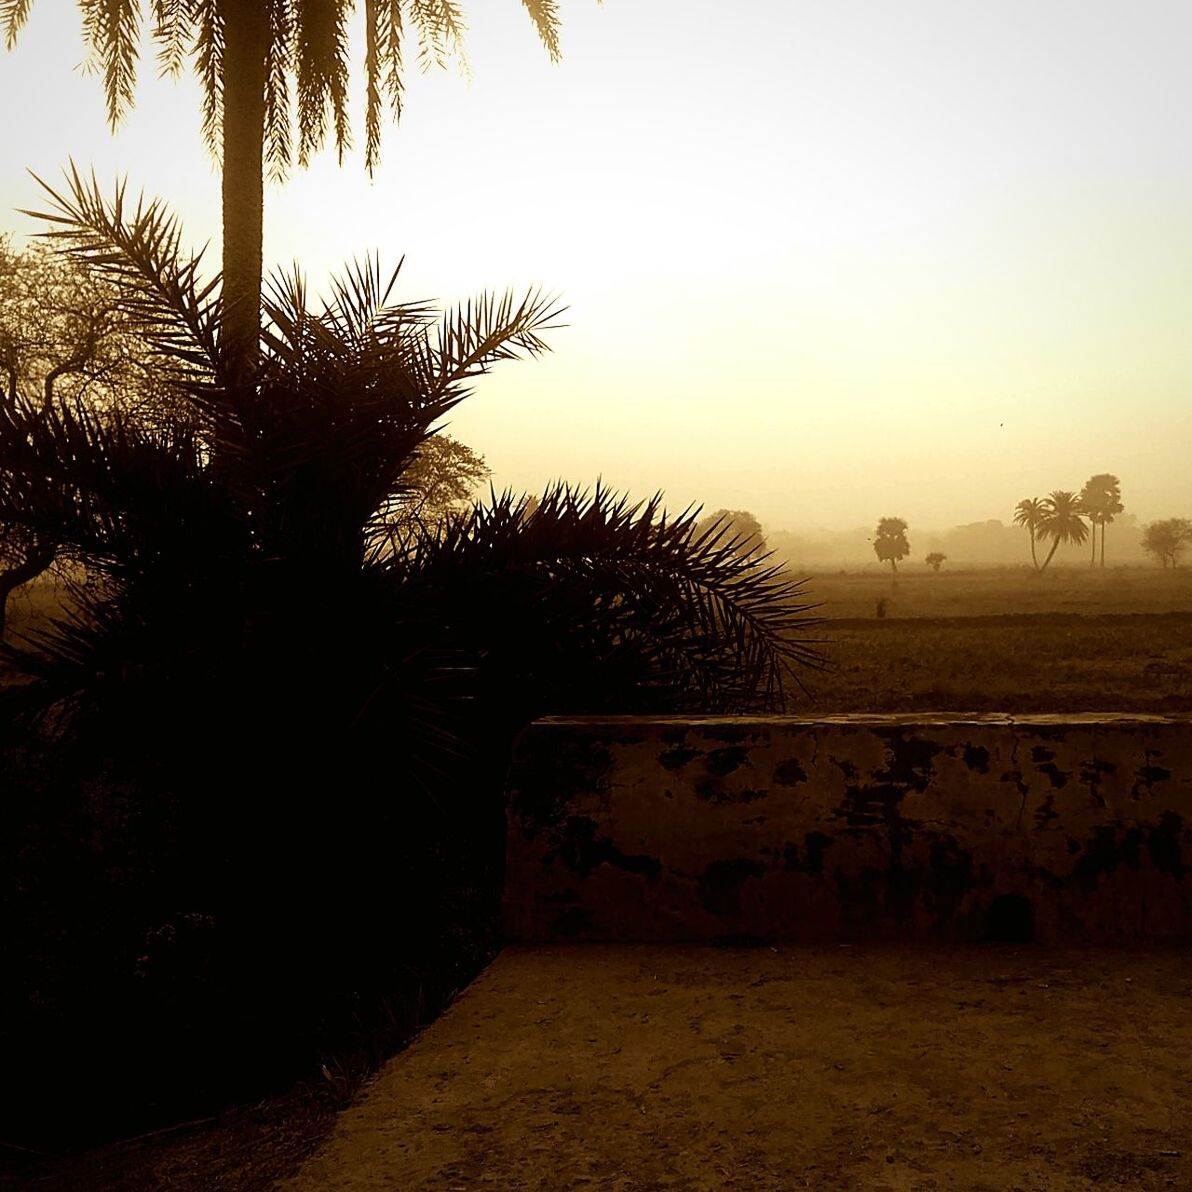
<point x="934" y="560"/>
<point x="279" y="724"/>
<point x="740" y="524"/>
<point x="1101" y="502"/>
<point x="889" y="543"/>
<point x="1167" y="539"/>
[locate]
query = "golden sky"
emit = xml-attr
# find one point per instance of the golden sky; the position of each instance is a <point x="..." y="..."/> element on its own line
<point x="826" y="261"/>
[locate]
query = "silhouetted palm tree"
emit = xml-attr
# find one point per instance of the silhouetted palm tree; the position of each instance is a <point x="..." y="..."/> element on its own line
<point x="1062" y="522"/>
<point x="288" y="483"/>
<point x="1101" y="501"/>
<point x="252" y="59"/>
<point x="1031" y="513"/>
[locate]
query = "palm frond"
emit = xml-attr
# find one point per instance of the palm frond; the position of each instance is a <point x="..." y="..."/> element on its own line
<point x="545" y="15"/>
<point x="491" y="328"/>
<point x="607" y="603"/>
<point x="139" y="252"/>
<point x="112" y="29"/>
<point x="278" y="64"/>
<point x="173" y="30"/>
<point x="441" y="30"/>
<point x="321" y="51"/>
<point x="209" y="60"/>
<point x="13" y="15"/>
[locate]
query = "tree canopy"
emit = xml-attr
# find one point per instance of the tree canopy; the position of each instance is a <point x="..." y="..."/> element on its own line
<point x="889" y="542"/>
<point x="1167" y="539"/>
<point x="736" y="526"/>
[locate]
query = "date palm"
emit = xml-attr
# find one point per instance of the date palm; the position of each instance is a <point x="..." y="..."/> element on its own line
<point x="266" y="66"/>
<point x="1062" y="522"/>
<point x="1031" y="513"/>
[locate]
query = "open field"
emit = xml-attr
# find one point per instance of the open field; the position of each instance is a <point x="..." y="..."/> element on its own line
<point x="998" y="591"/>
<point x="1042" y="663"/>
<point x="1004" y="641"/>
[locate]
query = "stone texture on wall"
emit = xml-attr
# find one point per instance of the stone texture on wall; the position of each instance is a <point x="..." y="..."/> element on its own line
<point x="1060" y="828"/>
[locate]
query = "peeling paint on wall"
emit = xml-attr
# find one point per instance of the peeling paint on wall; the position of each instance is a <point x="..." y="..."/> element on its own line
<point x="1060" y="828"/>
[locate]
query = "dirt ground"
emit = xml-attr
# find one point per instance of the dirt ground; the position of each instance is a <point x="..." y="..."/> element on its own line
<point x="988" y="1069"/>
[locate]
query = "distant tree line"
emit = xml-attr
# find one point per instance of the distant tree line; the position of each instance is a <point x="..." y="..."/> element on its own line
<point x="1061" y="517"/>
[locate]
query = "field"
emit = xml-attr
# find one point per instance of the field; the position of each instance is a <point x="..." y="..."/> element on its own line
<point x="1003" y="640"/>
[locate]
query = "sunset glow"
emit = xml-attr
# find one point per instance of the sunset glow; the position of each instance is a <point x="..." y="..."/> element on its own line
<point x="824" y="261"/>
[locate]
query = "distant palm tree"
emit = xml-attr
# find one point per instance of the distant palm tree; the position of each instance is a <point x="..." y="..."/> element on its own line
<point x="248" y="57"/>
<point x="1031" y="513"/>
<point x="1062" y="522"/>
<point x="1101" y="501"/>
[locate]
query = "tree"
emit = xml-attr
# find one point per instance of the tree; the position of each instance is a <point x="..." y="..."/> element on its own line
<point x="440" y="481"/>
<point x="249" y="58"/>
<point x="62" y="337"/>
<point x="1062" y="522"/>
<point x="1168" y="539"/>
<point x="1031" y="513"/>
<point x="737" y="527"/>
<point x="889" y="543"/>
<point x="1101" y="501"/>
<point x="934" y="560"/>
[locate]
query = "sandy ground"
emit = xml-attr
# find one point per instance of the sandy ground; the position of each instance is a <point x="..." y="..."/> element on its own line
<point x="633" y="1068"/>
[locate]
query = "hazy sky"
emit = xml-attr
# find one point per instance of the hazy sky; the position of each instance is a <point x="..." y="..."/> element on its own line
<point x="824" y="261"/>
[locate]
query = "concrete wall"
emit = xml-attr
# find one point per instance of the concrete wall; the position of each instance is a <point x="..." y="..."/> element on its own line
<point x="1068" y="828"/>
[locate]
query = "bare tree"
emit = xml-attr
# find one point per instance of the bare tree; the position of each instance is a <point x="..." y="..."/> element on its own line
<point x="63" y="338"/>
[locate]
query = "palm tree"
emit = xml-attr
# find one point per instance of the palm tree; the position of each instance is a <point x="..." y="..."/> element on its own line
<point x="1101" y="500"/>
<point x="249" y="57"/>
<point x="1062" y="522"/>
<point x="1031" y="513"/>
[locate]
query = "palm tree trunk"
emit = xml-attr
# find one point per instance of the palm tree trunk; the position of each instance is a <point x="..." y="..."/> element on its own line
<point x="246" y="33"/>
<point x="1050" y="553"/>
<point x="1034" y="558"/>
<point x="1103" y="524"/>
<point x="1093" y="557"/>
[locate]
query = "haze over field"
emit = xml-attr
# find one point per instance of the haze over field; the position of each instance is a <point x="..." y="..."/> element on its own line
<point x="824" y="262"/>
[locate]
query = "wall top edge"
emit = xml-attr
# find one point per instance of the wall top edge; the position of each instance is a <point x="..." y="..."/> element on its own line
<point x="876" y="719"/>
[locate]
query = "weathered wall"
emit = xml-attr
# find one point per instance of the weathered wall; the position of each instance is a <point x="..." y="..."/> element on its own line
<point x="1068" y="827"/>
